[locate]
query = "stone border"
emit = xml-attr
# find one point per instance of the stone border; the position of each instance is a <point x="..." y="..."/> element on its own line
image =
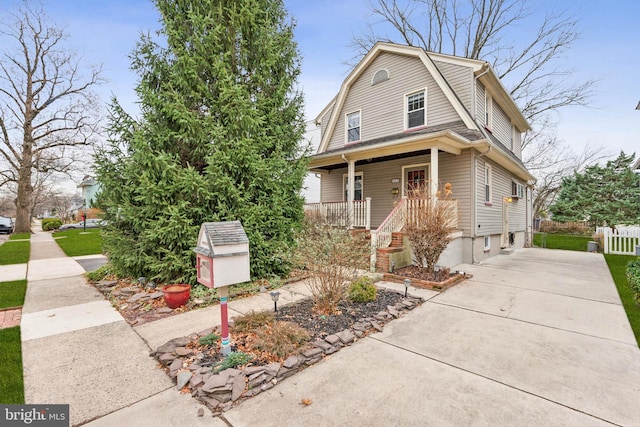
<point x="223" y="390"/>
<point x="425" y="284"/>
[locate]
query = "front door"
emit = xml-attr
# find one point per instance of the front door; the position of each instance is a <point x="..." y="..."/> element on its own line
<point x="415" y="178"/>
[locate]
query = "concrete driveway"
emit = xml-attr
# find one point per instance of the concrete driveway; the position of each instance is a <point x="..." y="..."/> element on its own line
<point x="535" y="338"/>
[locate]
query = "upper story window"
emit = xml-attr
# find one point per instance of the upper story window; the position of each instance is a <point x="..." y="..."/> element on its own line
<point x="379" y="77"/>
<point x="488" y="111"/>
<point x="487" y="183"/>
<point x="353" y="127"/>
<point x="415" y="109"/>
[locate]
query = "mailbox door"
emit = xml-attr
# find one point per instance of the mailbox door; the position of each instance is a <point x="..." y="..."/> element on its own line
<point x="205" y="270"/>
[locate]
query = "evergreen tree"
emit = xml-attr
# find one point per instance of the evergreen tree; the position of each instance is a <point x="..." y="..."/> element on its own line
<point x="603" y="194"/>
<point x="218" y="139"/>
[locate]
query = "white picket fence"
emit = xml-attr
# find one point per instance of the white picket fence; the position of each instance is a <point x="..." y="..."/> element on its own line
<point x="621" y="241"/>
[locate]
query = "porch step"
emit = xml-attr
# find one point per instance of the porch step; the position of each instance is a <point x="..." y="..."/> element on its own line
<point x="506" y="251"/>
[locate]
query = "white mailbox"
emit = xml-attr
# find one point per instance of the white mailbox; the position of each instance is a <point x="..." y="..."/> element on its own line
<point x="222" y="254"/>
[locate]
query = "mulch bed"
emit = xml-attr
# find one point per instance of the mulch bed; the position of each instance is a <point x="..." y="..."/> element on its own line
<point x="319" y="326"/>
<point x="422" y="278"/>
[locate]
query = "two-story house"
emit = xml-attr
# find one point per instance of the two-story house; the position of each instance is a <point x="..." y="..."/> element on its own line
<point x="404" y="117"/>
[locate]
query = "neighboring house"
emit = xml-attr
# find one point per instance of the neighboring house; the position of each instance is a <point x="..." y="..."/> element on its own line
<point x="404" y="117"/>
<point x="89" y="187"/>
<point x="311" y="186"/>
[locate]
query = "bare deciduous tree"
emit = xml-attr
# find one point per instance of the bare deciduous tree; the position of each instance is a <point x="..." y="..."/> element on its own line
<point x="47" y="106"/>
<point x="529" y="64"/>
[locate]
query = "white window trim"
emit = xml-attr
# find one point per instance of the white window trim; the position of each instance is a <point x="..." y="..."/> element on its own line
<point x="487" y="243"/>
<point x="346" y="126"/>
<point x="406" y="108"/>
<point x="513" y="137"/>
<point x="488" y="110"/>
<point x="415" y="166"/>
<point x="345" y="176"/>
<point x="373" y="82"/>
<point x="488" y="182"/>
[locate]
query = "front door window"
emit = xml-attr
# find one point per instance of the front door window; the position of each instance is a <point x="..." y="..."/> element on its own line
<point x="415" y="178"/>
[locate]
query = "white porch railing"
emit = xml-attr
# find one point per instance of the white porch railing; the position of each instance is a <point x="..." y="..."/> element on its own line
<point x="338" y="213"/>
<point x="621" y="241"/>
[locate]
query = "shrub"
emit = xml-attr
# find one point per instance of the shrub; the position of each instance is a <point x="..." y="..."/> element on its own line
<point x="334" y="256"/>
<point x="209" y="340"/>
<point x="430" y="222"/>
<point x="252" y="320"/>
<point x="51" y="224"/>
<point x="233" y="360"/>
<point x="362" y="290"/>
<point x="100" y="273"/>
<point x="633" y="275"/>
<point x="280" y="339"/>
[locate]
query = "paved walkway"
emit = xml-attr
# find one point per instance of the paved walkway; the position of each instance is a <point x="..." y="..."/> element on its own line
<point x="10" y="318"/>
<point x="536" y="338"/>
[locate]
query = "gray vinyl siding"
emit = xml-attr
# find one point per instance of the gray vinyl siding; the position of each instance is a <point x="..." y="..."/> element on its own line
<point x="382" y="106"/>
<point x="460" y="79"/>
<point x="490" y="217"/>
<point x="377" y="177"/>
<point x="325" y="121"/>
<point x="501" y="126"/>
<point x="517" y="144"/>
<point x="480" y="110"/>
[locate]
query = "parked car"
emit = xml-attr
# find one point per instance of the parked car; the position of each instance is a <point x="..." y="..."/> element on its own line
<point x="6" y="225"/>
<point x="91" y="223"/>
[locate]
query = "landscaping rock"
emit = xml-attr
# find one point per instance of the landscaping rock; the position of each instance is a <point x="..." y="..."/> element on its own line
<point x="170" y="346"/>
<point x="377" y="326"/>
<point x="182" y="351"/>
<point x="131" y="290"/>
<point x="392" y="311"/>
<point x="312" y="352"/>
<point x="167" y="358"/>
<point x="215" y="382"/>
<point x="322" y="345"/>
<point x="200" y="412"/>
<point x="196" y="380"/>
<point x="239" y="383"/>
<point x="272" y="370"/>
<point x="182" y="379"/>
<point x="164" y="310"/>
<point x="292" y="362"/>
<point x="332" y="339"/>
<point x="155" y="295"/>
<point x="138" y="297"/>
<point x="346" y="336"/>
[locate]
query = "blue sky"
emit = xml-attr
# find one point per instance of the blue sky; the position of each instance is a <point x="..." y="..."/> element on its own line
<point x="106" y="32"/>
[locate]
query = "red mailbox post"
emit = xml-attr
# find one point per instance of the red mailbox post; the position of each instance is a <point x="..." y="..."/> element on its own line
<point x="222" y="259"/>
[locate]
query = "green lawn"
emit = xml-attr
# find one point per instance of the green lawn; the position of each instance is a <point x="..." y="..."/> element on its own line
<point x="20" y="236"/>
<point x="78" y="243"/>
<point x="12" y="293"/>
<point x="618" y="266"/>
<point x="11" y="381"/>
<point x="569" y="242"/>
<point x="14" y="252"/>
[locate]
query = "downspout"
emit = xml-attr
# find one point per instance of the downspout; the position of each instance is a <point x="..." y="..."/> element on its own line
<point x="475" y="202"/>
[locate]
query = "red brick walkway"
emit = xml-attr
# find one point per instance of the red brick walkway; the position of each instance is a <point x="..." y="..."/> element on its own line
<point x="10" y="318"/>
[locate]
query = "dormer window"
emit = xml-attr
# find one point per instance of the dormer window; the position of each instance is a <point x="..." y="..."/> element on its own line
<point x="415" y="103"/>
<point x="353" y="127"/>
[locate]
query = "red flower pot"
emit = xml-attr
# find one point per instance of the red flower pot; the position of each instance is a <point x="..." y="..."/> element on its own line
<point x="176" y="295"/>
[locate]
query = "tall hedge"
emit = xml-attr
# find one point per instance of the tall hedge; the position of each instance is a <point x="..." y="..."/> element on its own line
<point x="218" y="139"/>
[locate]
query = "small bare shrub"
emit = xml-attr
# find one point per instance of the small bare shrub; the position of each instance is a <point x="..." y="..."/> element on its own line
<point x="334" y="256"/>
<point x="280" y="339"/>
<point x="430" y="222"/>
<point x="252" y="320"/>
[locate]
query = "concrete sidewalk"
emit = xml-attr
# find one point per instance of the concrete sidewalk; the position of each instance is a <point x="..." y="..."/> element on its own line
<point x="536" y="338"/>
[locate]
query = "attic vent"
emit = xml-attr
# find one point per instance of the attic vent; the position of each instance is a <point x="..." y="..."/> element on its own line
<point x="379" y="77"/>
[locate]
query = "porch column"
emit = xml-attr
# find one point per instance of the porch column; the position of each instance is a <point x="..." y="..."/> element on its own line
<point x="434" y="171"/>
<point x="351" y="178"/>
